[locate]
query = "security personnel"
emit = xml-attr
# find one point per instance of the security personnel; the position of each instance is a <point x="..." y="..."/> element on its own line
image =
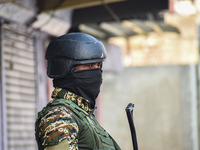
<point x="68" y="122"/>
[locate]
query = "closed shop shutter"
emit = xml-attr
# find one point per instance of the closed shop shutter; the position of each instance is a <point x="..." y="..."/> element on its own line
<point x="20" y="87"/>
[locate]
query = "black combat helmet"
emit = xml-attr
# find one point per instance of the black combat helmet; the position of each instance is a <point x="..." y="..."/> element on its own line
<point x="72" y="49"/>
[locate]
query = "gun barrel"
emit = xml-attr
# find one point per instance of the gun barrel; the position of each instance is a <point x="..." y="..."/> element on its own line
<point x="129" y="112"/>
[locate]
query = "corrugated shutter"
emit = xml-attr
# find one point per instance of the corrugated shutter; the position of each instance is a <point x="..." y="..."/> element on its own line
<point x="20" y="79"/>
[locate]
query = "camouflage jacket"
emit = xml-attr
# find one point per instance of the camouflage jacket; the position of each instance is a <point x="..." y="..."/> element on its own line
<point x="69" y="116"/>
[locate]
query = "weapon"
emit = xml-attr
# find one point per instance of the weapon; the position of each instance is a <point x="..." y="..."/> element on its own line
<point x="129" y="113"/>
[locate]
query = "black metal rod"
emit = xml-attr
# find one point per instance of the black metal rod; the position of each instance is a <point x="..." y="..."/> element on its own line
<point x="129" y="113"/>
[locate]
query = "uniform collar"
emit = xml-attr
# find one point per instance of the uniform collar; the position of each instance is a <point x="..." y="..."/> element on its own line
<point x="78" y="100"/>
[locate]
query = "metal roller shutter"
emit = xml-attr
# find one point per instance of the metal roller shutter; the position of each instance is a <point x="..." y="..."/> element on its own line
<point x="20" y="87"/>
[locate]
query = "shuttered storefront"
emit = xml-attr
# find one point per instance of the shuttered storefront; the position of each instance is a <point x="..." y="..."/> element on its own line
<point x="20" y="86"/>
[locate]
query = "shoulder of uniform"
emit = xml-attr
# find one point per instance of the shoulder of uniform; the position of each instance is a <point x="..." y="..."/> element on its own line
<point x="55" y="111"/>
<point x="56" y="125"/>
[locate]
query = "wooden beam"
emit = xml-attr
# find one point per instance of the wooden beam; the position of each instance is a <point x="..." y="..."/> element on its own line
<point x="52" y="5"/>
<point x="76" y="4"/>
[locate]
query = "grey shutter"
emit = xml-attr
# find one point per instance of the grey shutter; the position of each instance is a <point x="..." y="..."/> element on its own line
<point x="20" y="87"/>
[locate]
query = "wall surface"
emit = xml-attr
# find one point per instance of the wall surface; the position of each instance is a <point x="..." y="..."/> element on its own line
<point x="165" y="107"/>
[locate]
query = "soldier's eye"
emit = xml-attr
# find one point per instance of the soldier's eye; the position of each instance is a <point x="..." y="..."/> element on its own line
<point x="89" y="65"/>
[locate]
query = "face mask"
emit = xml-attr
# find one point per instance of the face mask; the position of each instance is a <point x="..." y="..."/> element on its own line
<point x="85" y="83"/>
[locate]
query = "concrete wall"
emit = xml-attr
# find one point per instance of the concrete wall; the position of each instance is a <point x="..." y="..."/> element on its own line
<point x="165" y="107"/>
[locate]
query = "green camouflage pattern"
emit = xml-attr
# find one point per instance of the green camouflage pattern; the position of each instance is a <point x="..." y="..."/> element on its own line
<point x="80" y="101"/>
<point x="58" y="125"/>
<point x="68" y="116"/>
<point x="55" y="124"/>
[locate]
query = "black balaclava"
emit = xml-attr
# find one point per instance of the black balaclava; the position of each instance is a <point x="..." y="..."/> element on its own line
<point x="85" y="83"/>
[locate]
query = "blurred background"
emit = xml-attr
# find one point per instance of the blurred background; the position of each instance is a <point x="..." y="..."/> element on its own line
<point x="153" y="62"/>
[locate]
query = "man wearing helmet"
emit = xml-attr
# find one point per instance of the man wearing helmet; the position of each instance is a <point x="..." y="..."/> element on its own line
<point x="68" y="122"/>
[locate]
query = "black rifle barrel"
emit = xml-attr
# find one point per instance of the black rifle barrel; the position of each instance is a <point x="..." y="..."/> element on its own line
<point x="129" y="113"/>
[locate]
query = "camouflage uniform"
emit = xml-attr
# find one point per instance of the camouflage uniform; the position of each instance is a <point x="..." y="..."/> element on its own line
<point x="69" y="116"/>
